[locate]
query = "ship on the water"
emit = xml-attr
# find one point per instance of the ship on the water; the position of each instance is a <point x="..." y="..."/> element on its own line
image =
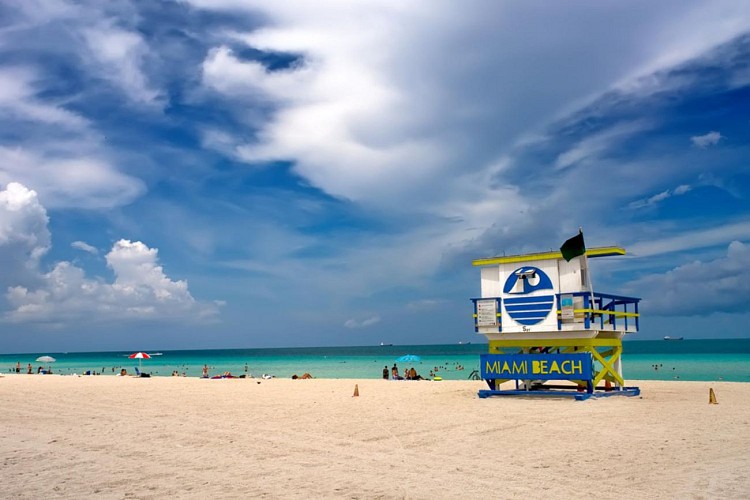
<point x="673" y="338"/>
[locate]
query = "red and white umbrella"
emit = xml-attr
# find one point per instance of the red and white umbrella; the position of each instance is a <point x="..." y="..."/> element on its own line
<point x="139" y="356"/>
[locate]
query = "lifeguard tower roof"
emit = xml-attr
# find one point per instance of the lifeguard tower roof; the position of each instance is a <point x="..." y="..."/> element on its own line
<point x="553" y="255"/>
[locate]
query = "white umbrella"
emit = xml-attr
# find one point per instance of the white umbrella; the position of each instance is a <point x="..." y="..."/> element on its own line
<point x="46" y="359"/>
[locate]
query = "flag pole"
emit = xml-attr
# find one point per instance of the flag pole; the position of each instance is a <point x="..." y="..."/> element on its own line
<point x="588" y="276"/>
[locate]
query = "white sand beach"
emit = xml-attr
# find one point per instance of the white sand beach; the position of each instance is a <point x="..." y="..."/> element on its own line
<point x="123" y="437"/>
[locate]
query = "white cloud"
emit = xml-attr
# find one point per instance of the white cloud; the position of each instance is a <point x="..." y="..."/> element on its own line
<point x="423" y="304"/>
<point x="659" y="197"/>
<point x="703" y="238"/>
<point x="141" y="290"/>
<point x="710" y="139"/>
<point x="18" y="100"/>
<point x="401" y="114"/>
<point x="700" y="288"/>
<point x="60" y="156"/>
<point x="24" y="236"/>
<point x="597" y="144"/>
<point x="121" y="54"/>
<point x="64" y="180"/>
<point x="82" y="245"/>
<point x="353" y="323"/>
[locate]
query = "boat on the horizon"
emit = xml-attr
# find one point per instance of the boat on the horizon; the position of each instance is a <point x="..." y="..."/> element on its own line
<point x="673" y="338"/>
<point x="385" y="345"/>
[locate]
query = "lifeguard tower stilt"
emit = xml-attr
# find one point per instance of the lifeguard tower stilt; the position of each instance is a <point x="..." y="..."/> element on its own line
<point x="545" y="323"/>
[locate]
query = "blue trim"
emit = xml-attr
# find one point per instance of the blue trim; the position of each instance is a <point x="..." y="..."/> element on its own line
<point x="524" y="300"/>
<point x="529" y="307"/>
<point x="530" y="314"/>
<point x="579" y="396"/>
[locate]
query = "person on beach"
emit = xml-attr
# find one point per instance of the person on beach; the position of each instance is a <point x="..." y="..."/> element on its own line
<point x="385" y="372"/>
<point x="29" y="369"/>
<point x="394" y="373"/>
<point x="18" y="367"/>
<point x="205" y="371"/>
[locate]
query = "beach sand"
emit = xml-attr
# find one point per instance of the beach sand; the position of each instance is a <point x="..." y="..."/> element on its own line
<point x="122" y="437"/>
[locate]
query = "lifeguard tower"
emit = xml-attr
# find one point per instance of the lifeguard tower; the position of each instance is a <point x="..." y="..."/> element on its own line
<point x="545" y="324"/>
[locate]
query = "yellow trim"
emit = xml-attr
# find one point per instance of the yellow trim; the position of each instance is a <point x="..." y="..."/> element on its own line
<point x="619" y="314"/>
<point x="582" y="343"/>
<point x="591" y="252"/>
<point x="607" y="366"/>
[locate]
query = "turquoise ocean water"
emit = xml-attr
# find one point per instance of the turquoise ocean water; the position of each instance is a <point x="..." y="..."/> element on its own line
<point x="727" y="360"/>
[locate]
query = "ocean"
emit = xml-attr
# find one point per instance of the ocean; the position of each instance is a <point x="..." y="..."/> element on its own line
<point x="701" y="360"/>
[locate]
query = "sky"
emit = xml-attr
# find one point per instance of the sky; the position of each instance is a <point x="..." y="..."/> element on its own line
<point x="237" y="173"/>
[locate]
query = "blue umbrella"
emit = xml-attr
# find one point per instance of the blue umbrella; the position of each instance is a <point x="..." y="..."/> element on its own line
<point x="409" y="358"/>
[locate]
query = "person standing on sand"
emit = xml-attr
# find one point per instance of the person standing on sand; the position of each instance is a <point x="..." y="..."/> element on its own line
<point x="29" y="369"/>
<point x="385" y="372"/>
<point x="205" y="371"/>
<point x="18" y="367"/>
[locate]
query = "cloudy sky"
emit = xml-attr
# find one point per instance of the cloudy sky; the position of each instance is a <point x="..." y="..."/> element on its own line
<point x="240" y="173"/>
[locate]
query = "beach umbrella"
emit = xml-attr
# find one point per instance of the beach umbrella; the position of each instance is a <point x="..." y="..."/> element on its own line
<point x="139" y="356"/>
<point x="46" y="359"/>
<point x="409" y="358"/>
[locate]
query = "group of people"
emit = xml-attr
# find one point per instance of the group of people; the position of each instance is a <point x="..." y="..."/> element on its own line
<point x="458" y="367"/>
<point x="409" y="373"/>
<point x="204" y="374"/>
<point x="30" y="369"/>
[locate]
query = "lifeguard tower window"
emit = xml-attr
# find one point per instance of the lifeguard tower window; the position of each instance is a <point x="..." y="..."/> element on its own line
<point x="584" y="278"/>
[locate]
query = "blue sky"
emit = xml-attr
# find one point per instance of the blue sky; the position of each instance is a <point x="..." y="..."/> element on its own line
<point x="227" y="173"/>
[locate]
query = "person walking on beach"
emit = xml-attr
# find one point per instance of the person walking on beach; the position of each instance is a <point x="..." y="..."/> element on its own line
<point x="385" y="372"/>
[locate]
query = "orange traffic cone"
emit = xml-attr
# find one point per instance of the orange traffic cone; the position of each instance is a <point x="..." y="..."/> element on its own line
<point x="356" y="391"/>
<point x="712" y="397"/>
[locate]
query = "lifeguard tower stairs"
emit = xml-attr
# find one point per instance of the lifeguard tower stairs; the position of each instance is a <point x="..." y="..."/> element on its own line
<point x="548" y="330"/>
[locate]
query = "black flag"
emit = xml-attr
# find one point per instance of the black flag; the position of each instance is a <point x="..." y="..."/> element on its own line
<point x="573" y="247"/>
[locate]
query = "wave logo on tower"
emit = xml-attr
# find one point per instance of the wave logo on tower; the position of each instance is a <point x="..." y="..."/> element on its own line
<point x="525" y="308"/>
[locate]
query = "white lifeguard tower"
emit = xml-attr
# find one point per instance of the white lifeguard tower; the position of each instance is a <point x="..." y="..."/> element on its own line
<point x="544" y="323"/>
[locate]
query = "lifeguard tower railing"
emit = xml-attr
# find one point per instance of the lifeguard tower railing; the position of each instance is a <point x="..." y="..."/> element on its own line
<point x="599" y="311"/>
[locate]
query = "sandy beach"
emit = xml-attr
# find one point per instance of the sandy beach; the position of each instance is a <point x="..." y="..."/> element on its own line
<point x="123" y="437"/>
